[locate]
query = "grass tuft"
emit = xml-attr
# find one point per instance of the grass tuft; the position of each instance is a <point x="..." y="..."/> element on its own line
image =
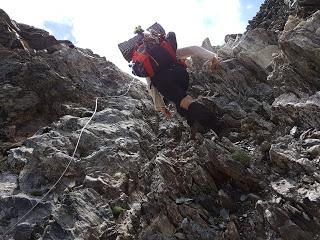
<point x="117" y="211"/>
<point x="242" y="157"/>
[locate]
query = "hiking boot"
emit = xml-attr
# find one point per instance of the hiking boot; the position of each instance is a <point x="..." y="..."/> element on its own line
<point x="199" y="113"/>
<point x="196" y="127"/>
<point x="184" y="113"/>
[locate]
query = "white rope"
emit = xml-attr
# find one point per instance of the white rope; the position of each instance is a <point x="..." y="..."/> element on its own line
<point x="68" y="165"/>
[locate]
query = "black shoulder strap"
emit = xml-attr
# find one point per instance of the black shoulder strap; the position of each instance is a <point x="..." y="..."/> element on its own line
<point x="171" y="38"/>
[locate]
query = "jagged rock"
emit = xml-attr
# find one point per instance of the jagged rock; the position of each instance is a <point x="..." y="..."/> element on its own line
<point x="23" y="231"/>
<point x="9" y="36"/>
<point x="195" y="231"/>
<point x="83" y="211"/>
<point x="291" y="23"/>
<point x="296" y="69"/>
<point x="12" y="208"/>
<point x="8" y="183"/>
<point x="279" y="220"/>
<point x="226" y="50"/>
<point x="289" y="109"/>
<point x="207" y="45"/>
<point x="225" y="200"/>
<point x="314" y="151"/>
<point x="271" y="16"/>
<point x="305" y="8"/>
<point x="259" y="45"/>
<point x="136" y="176"/>
<point x="234" y="37"/>
<point x="51" y="151"/>
<point x="286" y="155"/>
<point x="301" y="47"/>
<point x="37" y="39"/>
<point x="223" y="167"/>
<point x="35" y="84"/>
<point x="230" y="233"/>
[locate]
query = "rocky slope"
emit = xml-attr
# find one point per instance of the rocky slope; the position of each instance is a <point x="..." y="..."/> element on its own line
<point x="136" y="176"/>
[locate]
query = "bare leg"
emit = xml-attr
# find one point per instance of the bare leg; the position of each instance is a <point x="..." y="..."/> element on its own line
<point x="185" y="102"/>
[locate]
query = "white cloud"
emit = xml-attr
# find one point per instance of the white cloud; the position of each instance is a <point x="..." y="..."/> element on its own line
<point x="250" y="6"/>
<point x="101" y="25"/>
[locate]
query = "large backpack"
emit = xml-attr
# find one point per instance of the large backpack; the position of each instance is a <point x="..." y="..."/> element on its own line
<point x="149" y="53"/>
<point x="152" y="55"/>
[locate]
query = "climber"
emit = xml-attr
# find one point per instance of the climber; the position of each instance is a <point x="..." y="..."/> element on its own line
<point x="156" y="57"/>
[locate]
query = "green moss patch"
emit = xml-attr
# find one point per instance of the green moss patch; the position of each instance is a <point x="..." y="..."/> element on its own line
<point x="241" y="156"/>
<point x="117" y="211"/>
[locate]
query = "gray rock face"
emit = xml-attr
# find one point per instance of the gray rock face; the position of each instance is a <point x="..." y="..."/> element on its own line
<point x="305" y="8"/>
<point x="288" y="109"/>
<point x="298" y="213"/>
<point x="45" y="79"/>
<point x="301" y="46"/>
<point x="136" y="176"/>
<point x="296" y="68"/>
<point x="272" y="15"/>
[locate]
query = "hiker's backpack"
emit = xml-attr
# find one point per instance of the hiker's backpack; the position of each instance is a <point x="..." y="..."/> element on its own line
<point x="152" y="55"/>
<point x="126" y="48"/>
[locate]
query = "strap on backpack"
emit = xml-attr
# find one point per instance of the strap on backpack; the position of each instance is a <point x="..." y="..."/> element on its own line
<point x="167" y="46"/>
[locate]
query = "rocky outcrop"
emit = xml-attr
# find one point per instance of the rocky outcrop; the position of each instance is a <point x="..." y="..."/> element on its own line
<point x="305" y="8"/>
<point x="273" y="15"/>
<point x="137" y="176"/>
<point x="296" y="68"/>
<point x="38" y="85"/>
<point x="288" y="109"/>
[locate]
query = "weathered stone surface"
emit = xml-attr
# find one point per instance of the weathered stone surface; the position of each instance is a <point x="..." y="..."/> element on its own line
<point x="135" y="176"/>
<point x="281" y="222"/>
<point x="13" y="208"/>
<point x="305" y="8"/>
<point x="8" y="183"/>
<point x="35" y="85"/>
<point x="37" y="39"/>
<point x="259" y="45"/>
<point x="296" y="69"/>
<point x="80" y="214"/>
<point x="291" y="110"/>
<point x="301" y="46"/>
<point x="9" y="36"/>
<point x="272" y="15"/>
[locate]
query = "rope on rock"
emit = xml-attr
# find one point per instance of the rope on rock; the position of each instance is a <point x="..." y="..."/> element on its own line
<point x="72" y="157"/>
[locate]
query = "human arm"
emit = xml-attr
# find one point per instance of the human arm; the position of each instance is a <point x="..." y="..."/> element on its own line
<point x="196" y="51"/>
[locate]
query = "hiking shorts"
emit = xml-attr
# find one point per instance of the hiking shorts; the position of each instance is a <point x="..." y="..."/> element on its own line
<point x="172" y="83"/>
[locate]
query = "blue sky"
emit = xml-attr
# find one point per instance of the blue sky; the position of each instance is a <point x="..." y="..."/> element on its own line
<point x="249" y="8"/>
<point x="101" y="25"/>
<point x="62" y="31"/>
